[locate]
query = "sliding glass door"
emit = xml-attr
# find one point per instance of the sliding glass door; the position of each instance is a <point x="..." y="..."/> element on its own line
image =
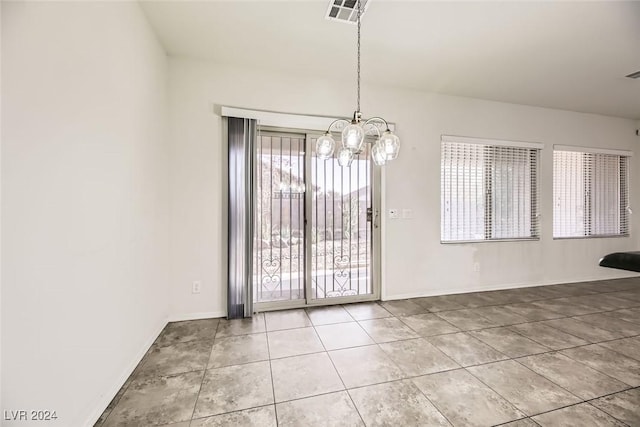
<point x="315" y="222"/>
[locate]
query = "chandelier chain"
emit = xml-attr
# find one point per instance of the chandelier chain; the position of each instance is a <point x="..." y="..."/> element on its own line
<point x="359" y="13"/>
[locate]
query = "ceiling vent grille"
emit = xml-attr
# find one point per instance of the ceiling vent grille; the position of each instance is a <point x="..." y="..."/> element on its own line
<point x="635" y="75"/>
<point x="345" y="10"/>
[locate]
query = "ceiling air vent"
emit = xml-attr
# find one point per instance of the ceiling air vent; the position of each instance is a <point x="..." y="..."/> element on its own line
<point x="345" y="10"/>
<point x="635" y="75"/>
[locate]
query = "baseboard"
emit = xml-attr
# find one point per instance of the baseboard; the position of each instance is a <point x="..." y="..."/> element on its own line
<point x="108" y="397"/>
<point x="111" y="393"/>
<point x="439" y="292"/>
<point x="197" y="316"/>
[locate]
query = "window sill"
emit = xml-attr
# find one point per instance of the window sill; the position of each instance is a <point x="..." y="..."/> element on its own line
<point x="598" y="236"/>
<point x="516" y="239"/>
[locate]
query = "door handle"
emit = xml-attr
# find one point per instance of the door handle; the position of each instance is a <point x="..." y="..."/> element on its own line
<point x="372" y="216"/>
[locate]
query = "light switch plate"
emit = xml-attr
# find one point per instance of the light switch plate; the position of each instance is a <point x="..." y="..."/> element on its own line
<point x="196" y="287"/>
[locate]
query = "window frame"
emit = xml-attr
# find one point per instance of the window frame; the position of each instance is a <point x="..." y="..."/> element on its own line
<point x="534" y="213"/>
<point x="623" y="178"/>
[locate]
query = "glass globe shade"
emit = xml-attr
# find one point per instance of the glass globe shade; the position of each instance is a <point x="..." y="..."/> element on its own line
<point x="353" y="137"/>
<point x="391" y="145"/>
<point x="345" y="157"/>
<point x="378" y="153"/>
<point x="325" y="146"/>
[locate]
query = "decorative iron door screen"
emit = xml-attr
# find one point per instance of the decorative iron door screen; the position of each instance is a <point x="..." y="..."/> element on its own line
<point x="279" y="238"/>
<point x="341" y="234"/>
<point x="314" y="225"/>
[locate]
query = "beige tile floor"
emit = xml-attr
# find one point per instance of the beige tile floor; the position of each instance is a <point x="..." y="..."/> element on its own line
<point x="564" y="355"/>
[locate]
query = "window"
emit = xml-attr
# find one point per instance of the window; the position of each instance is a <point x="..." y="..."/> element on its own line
<point x="489" y="190"/>
<point x="590" y="193"/>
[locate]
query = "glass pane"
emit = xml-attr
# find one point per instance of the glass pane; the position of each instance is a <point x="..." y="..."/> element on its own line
<point x="341" y="236"/>
<point x="278" y="261"/>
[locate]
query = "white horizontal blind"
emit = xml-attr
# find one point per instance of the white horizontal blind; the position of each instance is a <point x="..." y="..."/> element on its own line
<point x="488" y="192"/>
<point x="463" y="189"/>
<point x="590" y="193"/>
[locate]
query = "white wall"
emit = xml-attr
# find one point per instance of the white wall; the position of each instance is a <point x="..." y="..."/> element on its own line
<point x="85" y="203"/>
<point x="416" y="263"/>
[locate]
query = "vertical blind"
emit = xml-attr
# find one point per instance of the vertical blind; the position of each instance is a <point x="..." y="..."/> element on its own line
<point x="488" y="191"/>
<point x="241" y="139"/>
<point x="590" y="193"/>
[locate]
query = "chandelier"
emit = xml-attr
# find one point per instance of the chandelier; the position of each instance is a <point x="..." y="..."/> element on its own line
<point x="354" y="132"/>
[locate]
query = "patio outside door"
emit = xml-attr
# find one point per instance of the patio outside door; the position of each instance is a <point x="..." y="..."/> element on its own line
<point x="315" y="235"/>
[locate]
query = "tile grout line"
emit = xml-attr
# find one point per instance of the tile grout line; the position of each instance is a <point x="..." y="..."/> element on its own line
<point x="635" y="337"/>
<point x="507" y="357"/>
<point x="610" y="394"/>
<point x="434" y="314"/>
<point x="529" y="302"/>
<point x="426" y="338"/>
<point x="496" y="392"/>
<point x="338" y="373"/>
<point x="307" y="309"/>
<point x="503" y="397"/>
<point x="440" y="411"/>
<point x="526" y="367"/>
<point x="273" y="387"/>
<point x="468" y="333"/>
<point x="545" y="320"/>
<point x="128" y="383"/>
<point x="434" y="373"/>
<point x="582" y="402"/>
<point x="365" y="330"/>
<point x="204" y="375"/>
<point x="522" y="336"/>
<point x="551" y="381"/>
<point x="551" y="349"/>
<point x="220" y="414"/>
<point x="609" y="312"/>
<point x="241" y="334"/>
<point x="449" y="370"/>
<point x="408" y="377"/>
<point x="605" y="412"/>
<point x="598" y="370"/>
<point x="561" y="315"/>
<point x="558" y="329"/>
<point x="526" y="417"/>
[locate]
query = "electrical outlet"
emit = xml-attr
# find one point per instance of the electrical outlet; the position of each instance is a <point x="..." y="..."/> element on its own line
<point x="394" y="213"/>
<point x="476" y="267"/>
<point x="196" y="287"/>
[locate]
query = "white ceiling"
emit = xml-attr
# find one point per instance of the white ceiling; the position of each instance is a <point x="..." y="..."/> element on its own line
<point x="568" y="55"/>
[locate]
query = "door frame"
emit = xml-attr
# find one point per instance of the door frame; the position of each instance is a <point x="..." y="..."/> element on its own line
<point x="376" y="233"/>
